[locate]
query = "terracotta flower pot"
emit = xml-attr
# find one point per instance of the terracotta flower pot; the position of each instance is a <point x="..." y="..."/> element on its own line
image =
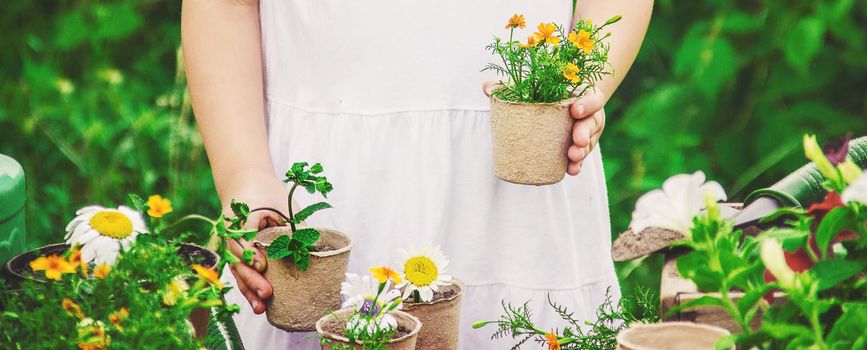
<point x="670" y="336"/>
<point x="330" y="327"/>
<point x="302" y="297"/>
<point x="530" y="140"/>
<point x="441" y="319"/>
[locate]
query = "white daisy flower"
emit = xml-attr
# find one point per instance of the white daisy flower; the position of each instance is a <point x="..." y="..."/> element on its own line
<point x="371" y="303"/>
<point x="857" y="191"/>
<point x="423" y="271"/>
<point x="673" y="207"/>
<point x="101" y="232"/>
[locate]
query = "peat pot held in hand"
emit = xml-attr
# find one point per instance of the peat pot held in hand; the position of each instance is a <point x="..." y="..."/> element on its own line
<point x="440" y="317"/>
<point x="330" y="328"/>
<point x="670" y="336"/>
<point x="302" y="297"/>
<point x="530" y="140"/>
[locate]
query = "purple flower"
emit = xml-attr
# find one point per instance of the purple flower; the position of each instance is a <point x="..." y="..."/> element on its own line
<point x="837" y="151"/>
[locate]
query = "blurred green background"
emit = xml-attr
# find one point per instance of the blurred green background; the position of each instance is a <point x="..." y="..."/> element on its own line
<point x="93" y="102"/>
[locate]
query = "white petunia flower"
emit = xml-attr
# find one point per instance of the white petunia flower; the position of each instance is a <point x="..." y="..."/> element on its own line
<point x="673" y="207"/>
<point x="102" y="232"/>
<point x="857" y="191"/>
<point x="423" y="271"/>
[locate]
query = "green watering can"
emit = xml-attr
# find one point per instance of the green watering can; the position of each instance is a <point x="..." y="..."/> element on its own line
<point x="12" y="199"/>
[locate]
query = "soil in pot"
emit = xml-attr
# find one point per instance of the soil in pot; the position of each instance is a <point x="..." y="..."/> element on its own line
<point x="530" y="140"/>
<point x="440" y="317"/>
<point x="331" y="326"/>
<point x="300" y="298"/>
<point x="670" y="336"/>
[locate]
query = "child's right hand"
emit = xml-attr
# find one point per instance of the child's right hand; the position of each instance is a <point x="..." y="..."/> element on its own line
<point x="258" y="190"/>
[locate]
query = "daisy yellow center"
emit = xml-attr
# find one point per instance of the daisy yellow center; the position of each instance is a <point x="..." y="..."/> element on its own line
<point x="111" y="224"/>
<point x="420" y="271"/>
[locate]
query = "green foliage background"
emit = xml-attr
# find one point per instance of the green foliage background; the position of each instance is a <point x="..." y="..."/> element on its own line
<point x="93" y="103"/>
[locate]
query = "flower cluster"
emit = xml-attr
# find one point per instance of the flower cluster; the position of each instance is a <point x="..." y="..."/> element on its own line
<point x="547" y="68"/>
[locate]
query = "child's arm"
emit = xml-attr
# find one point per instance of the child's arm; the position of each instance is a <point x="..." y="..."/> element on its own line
<point x="223" y="58"/>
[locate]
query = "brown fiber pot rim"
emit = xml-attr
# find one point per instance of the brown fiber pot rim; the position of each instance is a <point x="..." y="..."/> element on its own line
<point x="656" y="327"/>
<point x="320" y="325"/>
<point x="455" y="282"/>
<point x="494" y="87"/>
<point x="322" y="231"/>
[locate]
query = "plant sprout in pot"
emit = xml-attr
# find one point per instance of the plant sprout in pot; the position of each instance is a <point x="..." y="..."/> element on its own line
<point x="305" y="264"/>
<point x="371" y="318"/>
<point x="530" y="121"/>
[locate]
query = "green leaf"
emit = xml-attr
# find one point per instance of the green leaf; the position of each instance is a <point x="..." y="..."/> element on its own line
<point x="833" y="222"/>
<point x="116" y="21"/>
<point x="137" y="202"/>
<point x="725" y="343"/>
<point x="804" y="41"/>
<point x="849" y="328"/>
<point x="241" y="210"/>
<point x="316" y="168"/>
<point x="306" y="212"/>
<point x="302" y="258"/>
<point x="307" y="236"/>
<point x="71" y="30"/>
<point x="749" y="299"/>
<point x="703" y="301"/>
<point x="706" y="58"/>
<point x="785" y="331"/>
<point x="248" y="256"/>
<point x="279" y="248"/>
<point x="742" y="23"/>
<point x="829" y="273"/>
<point x="222" y="333"/>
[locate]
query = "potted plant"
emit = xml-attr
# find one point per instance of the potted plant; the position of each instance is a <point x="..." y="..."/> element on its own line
<point x="671" y="335"/>
<point x="371" y="318"/>
<point x="530" y="122"/>
<point x="431" y="295"/>
<point x="133" y="289"/>
<point x="305" y="265"/>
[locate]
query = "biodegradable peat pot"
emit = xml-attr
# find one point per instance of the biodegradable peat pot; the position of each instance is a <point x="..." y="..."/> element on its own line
<point x="331" y="326"/>
<point x="530" y="140"/>
<point x="302" y="297"/>
<point x="440" y="317"/>
<point x="670" y="336"/>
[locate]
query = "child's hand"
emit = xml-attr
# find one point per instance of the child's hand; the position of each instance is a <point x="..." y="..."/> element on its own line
<point x="257" y="190"/>
<point x="590" y="121"/>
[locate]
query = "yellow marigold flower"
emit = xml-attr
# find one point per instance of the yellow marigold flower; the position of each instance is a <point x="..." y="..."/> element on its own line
<point x="531" y="41"/>
<point x="547" y="33"/>
<point x="517" y="21"/>
<point x="117" y="317"/>
<point x="384" y="273"/>
<point x="582" y="40"/>
<point x="158" y="206"/>
<point x="175" y="291"/>
<point x="72" y="308"/>
<point x="570" y="71"/>
<point x="54" y="266"/>
<point x="91" y="335"/>
<point x="208" y="274"/>
<point x="101" y="271"/>
<point x="553" y="341"/>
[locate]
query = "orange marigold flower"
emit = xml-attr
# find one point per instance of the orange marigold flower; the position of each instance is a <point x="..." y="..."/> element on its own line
<point x="582" y="40"/>
<point x="547" y="33"/>
<point x="531" y="41"/>
<point x="384" y="273"/>
<point x="158" y="206"/>
<point x="54" y="266"/>
<point x="117" y="317"/>
<point x="517" y="21"/>
<point x="101" y="271"/>
<point x="72" y="308"/>
<point x="208" y="274"/>
<point x="570" y="72"/>
<point x="75" y="259"/>
<point x="91" y="335"/>
<point x="553" y="341"/>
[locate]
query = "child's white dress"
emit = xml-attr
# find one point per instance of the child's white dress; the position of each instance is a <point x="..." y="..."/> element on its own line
<point x="387" y="96"/>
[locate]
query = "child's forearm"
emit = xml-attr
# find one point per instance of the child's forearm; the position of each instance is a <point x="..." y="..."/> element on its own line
<point x="223" y="58"/>
<point x="627" y="34"/>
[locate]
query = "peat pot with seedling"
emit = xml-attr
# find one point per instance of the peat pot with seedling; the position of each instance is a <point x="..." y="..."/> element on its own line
<point x="530" y="122"/>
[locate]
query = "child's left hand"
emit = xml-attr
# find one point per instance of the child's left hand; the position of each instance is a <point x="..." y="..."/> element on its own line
<point x="590" y="121"/>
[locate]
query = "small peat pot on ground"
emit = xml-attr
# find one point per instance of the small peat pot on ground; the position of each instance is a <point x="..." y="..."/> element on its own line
<point x="302" y="297"/>
<point x="530" y="140"/>
<point x="330" y="329"/>
<point x="670" y="336"/>
<point x="440" y="317"/>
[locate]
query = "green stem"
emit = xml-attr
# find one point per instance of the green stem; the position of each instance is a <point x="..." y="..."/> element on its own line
<point x="292" y="212"/>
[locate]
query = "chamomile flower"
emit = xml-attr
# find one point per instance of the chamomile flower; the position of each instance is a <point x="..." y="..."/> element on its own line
<point x="371" y="303"/>
<point x="423" y="271"/>
<point x="101" y="232"/>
